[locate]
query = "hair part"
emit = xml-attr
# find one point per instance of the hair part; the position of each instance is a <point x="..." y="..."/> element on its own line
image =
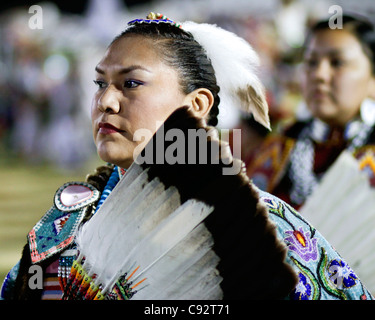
<point x="181" y="51"/>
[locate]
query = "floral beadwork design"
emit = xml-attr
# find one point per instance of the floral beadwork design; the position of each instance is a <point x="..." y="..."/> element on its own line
<point x="341" y="274"/>
<point x="303" y="289"/>
<point x="302" y="244"/>
<point x="321" y="272"/>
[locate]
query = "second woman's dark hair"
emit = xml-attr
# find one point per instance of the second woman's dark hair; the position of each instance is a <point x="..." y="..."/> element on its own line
<point x="181" y="51"/>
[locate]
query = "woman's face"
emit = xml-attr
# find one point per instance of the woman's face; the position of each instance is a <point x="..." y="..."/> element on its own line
<point x="136" y="90"/>
<point x="337" y="76"/>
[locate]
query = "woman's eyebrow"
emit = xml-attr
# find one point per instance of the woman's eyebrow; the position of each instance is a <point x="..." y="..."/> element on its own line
<point x="329" y="51"/>
<point x="98" y="69"/>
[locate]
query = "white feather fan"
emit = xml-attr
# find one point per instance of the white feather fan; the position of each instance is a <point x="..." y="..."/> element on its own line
<point x="137" y="221"/>
<point x="342" y="208"/>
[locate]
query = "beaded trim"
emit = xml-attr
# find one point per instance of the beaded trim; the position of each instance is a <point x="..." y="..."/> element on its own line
<point x="65" y="264"/>
<point x="80" y="285"/>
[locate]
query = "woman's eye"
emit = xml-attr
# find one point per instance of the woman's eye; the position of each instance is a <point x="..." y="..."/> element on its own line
<point x="130" y="84"/>
<point x="337" y="62"/>
<point x="99" y="83"/>
<point x="311" y="62"/>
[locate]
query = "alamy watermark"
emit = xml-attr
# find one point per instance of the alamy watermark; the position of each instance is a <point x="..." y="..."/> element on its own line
<point x="36" y="20"/>
<point x="36" y="278"/>
<point x="335" y="21"/>
<point x="198" y="146"/>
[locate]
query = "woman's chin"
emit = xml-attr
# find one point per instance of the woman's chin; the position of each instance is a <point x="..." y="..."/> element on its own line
<point x="120" y="160"/>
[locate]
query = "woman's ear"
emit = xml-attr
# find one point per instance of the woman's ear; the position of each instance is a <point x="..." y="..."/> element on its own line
<point x="200" y="102"/>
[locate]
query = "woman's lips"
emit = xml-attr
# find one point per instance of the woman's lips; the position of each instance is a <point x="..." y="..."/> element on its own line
<point x="320" y="94"/>
<point x="107" y="128"/>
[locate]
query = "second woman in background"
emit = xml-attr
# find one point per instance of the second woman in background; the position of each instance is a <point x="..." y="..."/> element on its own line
<point x="338" y="79"/>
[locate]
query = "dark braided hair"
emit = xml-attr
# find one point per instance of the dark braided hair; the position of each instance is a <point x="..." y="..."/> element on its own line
<point x="181" y="51"/>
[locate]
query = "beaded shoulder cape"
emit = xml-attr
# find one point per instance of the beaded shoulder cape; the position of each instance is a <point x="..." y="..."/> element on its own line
<point x="74" y="203"/>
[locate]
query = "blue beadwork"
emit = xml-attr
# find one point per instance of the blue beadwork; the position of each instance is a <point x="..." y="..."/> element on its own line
<point x="151" y="21"/>
<point x="112" y="181"/>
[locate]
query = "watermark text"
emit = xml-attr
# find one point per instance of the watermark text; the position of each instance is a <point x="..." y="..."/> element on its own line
<point x="36" y="20"/>
<point x="335" y="21"/>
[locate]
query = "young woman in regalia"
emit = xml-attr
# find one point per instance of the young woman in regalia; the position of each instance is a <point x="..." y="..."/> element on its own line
<point x="338" y="86"/>
<point x="324" y="164"/>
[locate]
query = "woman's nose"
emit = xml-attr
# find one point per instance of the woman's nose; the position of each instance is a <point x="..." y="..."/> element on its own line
<point x="109" y="100"/>
<point x="322" y="71"/>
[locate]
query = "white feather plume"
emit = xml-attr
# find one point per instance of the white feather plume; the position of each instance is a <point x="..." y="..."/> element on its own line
<point x="236" y="67"/>
<point x="342" y="208"/>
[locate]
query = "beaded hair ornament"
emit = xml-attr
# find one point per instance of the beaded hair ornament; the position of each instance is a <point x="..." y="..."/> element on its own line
<point x="235" y="63"/>
<point x="155" y="18"/>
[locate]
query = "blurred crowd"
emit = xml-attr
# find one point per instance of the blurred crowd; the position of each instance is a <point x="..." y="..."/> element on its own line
<point x="46" y="83"/>
<point x="46" y="74"/>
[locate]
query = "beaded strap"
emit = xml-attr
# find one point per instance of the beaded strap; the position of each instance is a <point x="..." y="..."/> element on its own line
<point x="65" y="265"/>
